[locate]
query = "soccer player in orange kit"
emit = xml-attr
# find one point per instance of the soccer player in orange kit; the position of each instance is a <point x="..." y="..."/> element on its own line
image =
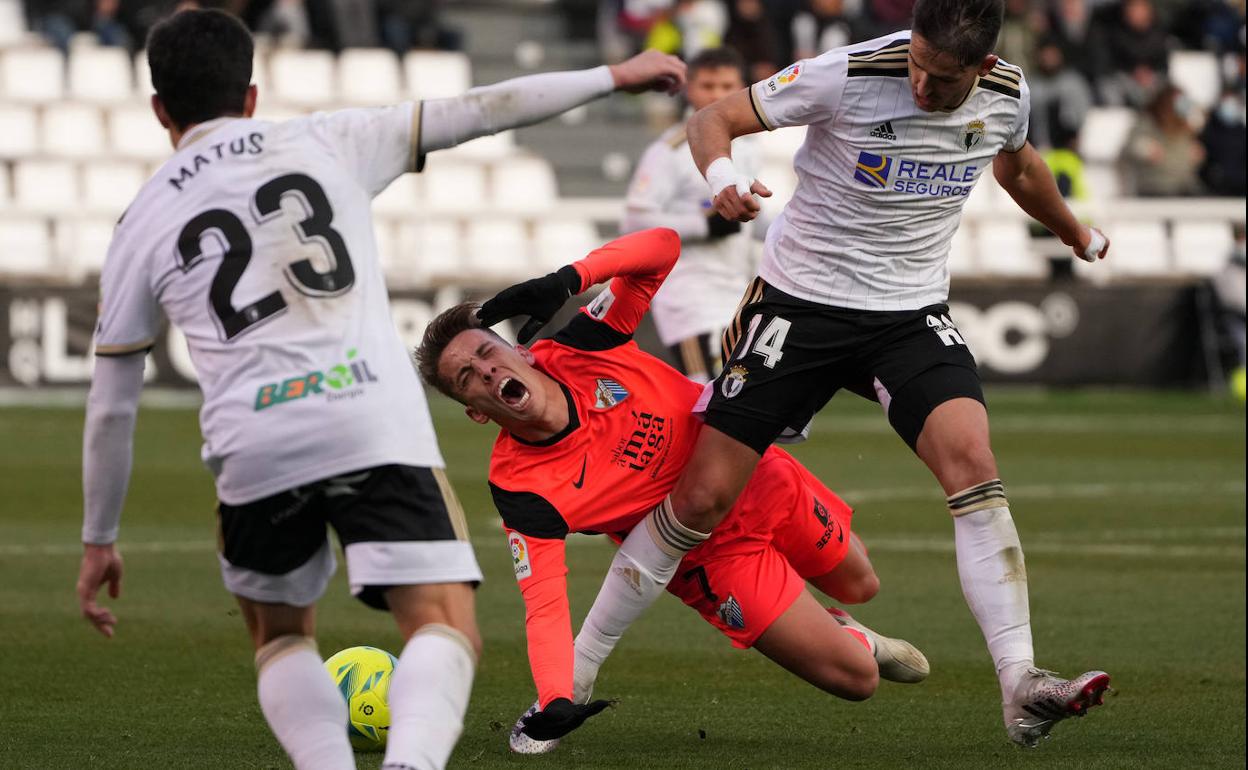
<point x="595" y="433"/>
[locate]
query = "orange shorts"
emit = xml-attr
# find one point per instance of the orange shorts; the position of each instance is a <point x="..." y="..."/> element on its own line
<point x="785" y="528"/>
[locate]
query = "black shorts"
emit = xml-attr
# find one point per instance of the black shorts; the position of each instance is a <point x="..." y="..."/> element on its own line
<point x="790" y="356"/>
<point x="398" y="525"/>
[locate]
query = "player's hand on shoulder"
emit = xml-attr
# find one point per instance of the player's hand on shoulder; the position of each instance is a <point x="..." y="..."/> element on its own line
<point x="650" y="70"/>
<point x="560" y="717"/>
<point x="100" y="564"/>
<point x="538" y="298"/>
<point x="1093" y="245"/>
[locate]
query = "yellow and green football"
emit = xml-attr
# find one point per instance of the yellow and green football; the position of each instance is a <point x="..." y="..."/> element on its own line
<point x="363" y="677"/>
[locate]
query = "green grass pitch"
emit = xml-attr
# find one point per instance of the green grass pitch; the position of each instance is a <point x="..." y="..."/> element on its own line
<point x="1130" y="507"/>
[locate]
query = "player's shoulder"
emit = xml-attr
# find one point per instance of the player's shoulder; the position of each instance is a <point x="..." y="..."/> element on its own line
<point x="1005" y="79"/>
<point x="885" y="56"/>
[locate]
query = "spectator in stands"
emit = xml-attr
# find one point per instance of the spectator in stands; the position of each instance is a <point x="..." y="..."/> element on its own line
<point x="1137" y="51"/>
<point x="1211" y="25"/>
<point x="407" y="24"/>
<point x="1020" y="34"/>
<point x="1223" y="139"/>
<point x="751" y="34"/>
<point x="1162" y="154"/>
<point x="1060" y="97"/>
<point x="890" y="15"/>
<point x="1229" y="290"/>
<point x="286" y="21"/>
<point x="1072" y="29"/>
<point x="701" y="24"/>
<point x="823" y="25"/>
<point x="60" y="20"/>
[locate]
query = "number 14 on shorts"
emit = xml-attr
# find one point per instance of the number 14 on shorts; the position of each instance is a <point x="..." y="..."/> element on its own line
<point x="770" y="344"/>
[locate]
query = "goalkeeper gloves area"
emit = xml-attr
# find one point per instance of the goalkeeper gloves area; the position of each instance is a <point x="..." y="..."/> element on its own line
<point x="538" y="298"/>
<point x="560" y="717"/>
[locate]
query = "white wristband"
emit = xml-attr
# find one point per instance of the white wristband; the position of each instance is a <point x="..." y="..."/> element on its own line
<point x="1095" y="246"/>
<point x="721" y="174"/>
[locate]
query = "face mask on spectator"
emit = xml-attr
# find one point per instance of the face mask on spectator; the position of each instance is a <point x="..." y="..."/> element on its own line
<point x="1231" y="110"/>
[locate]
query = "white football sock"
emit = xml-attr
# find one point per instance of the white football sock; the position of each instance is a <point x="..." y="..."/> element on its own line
<point x="641" y="569"/>
<point x="429" y="692"/>
<point x="994" y="577"/>
<point x="301" y="704"/>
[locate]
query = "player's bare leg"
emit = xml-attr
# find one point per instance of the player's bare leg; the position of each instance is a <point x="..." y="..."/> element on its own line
<point x="430" y="686"/>
<point x="853" y="582"/>
<point x="718" y="470"/>
<point x="954" y="443"/>
<point x="298" y="697"/>
<point x="807" y="641"/>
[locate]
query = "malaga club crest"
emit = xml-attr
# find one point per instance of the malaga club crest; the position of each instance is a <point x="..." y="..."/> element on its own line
<point x="730" y="613"/>
<point x="972" y="134"/>
<point x="608" y="393"/>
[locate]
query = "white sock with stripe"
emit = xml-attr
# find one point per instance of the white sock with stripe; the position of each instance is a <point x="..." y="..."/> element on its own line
<point x="301" y="704"/>
<point x="428" y="696"/>
<point x="641" y="569"/>
<point x="994" y="577"/>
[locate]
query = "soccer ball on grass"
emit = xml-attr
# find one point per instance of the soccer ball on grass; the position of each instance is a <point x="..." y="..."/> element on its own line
<point x="363" y="677"/>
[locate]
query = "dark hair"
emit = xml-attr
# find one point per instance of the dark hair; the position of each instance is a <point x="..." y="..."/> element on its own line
<point x="201" y="65"/>
<point x="714" y="58"/>
<point x="967" y="30"/>
<point x="438" y="334"/>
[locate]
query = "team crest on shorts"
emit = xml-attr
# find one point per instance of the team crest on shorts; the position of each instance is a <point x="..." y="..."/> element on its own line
<point x="608" y="393"/>
<point x="973" y="134"/>
<point x="730" y="613"/>
<point x="734" y="381"/>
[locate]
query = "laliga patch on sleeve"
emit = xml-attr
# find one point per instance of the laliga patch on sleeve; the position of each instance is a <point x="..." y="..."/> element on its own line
<point x="602" y="303"/>
<point x="785" y="77"/>
<point x="520" y="555"/>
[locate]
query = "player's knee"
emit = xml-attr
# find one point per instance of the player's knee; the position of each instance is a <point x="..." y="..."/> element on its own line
<point x="861" y="590"/>
<point x="701" y="506"/>
<point x="853" y="681"/>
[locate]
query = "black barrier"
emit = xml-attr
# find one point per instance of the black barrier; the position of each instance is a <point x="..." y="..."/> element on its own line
<point x="1141" y="335"/>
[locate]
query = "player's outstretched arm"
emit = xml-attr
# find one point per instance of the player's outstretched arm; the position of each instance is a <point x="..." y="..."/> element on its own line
<point x="711" y="131"/>
<point x="1027" y="179"/>
<point x="107" y="451"/>
<point x="531" y="99"/>
<point x="641" y="259"/>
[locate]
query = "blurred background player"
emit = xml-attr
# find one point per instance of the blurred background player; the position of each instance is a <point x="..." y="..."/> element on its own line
<point x="256" y="240"/>
<point x="699" y="296"/>
<point x="594" y="434"/>
<point x="852" y="294"/>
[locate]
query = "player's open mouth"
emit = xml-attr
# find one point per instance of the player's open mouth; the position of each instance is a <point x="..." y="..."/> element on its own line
<point x="513" y="393"/>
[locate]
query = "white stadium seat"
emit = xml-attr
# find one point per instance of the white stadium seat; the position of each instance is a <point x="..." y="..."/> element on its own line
<point x="1104" y="132"/>
<point x="109" y="186"/>
<point x="45" y="186"/>
<point x="100" y="75"/>
<point x="431" y="252"/>
<point x="436" y="74"/>
<point x="19" y="131"/>
<point x="523" y="184"/>
<point x="6" y="197"/>
<point x="72" y="130"/>
<point x="560" y="240"/>
<point x="783" y="143"/>
<point x="452" y="187"/>
<point x="1103" y="181"/>
<point x="1196" y="74"/>
<point x="498" y="250"/>
<point x="1003" y="248"/>
<point x="142" y="76"/>
<point x="1201" y="248"/>
<point x="1138" y="249"/>
<point x="82" y="243"/>
<point x="12" y="22"/>
<point x="302" y="78"/>
<point x="401" y="199"/>
<point x="32" y="75"/>
<point x="134" y="132"/>
<point x="26" y="246"/>
<point x="369" y="76"/>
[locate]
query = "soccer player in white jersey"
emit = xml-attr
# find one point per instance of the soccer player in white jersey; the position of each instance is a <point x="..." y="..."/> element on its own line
<point x="256" y="240"/>
<point x="692" y="308"/>
<point x="852" y="293"/>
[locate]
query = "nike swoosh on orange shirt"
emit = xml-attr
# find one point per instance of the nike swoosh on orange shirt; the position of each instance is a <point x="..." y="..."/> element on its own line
<point x="581" y="481"/>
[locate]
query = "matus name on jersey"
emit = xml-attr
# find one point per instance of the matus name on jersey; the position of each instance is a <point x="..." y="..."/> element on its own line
<point x="345" y="380"/>
<point x="940" y="180"/>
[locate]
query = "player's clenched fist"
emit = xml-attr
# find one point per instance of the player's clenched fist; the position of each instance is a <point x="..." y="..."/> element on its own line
<point x="538" y="298"/>
<point x="650" y="70"/>
<point x="730" y="203"/>
<point x="560" y="717"/>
